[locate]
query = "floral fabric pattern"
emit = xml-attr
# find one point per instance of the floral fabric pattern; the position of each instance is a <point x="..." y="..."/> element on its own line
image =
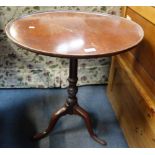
<point x="20" y="68"/>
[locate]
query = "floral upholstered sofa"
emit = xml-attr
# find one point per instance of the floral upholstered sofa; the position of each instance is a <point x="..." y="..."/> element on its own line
<point x="20" y="68"/>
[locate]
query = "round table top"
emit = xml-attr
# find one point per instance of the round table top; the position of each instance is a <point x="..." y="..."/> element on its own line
<point x="74" y="34"/>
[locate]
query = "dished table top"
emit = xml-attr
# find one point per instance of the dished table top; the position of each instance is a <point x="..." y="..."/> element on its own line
<point x="74" y="34"/>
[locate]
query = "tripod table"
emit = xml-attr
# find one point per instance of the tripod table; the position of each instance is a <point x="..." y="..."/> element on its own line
<point x="74" y="35"/>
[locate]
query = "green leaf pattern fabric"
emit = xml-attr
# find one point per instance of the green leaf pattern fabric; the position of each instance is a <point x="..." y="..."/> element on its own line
<point x="20" y="68"/>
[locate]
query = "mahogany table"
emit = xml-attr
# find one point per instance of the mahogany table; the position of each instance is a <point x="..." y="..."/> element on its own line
<point x="74" y="35"/>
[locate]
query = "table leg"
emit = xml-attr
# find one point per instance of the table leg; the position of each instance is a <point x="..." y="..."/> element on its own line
<point x="71" y="106"/>
<point x="54" y="118"/>
<point x="81" y="112"/>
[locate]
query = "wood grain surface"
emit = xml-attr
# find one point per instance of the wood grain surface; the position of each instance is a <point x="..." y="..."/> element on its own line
<point x="74" y="34"/>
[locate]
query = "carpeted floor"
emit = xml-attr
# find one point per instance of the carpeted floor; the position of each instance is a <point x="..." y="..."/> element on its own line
<point x="26" y="111"/>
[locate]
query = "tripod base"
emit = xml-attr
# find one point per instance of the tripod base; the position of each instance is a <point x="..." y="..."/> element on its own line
<point x="77" y="110"/>
<point x="71" y="106"/>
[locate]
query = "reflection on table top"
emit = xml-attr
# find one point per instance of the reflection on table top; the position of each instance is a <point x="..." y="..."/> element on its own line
<point x="74" y="34"/>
